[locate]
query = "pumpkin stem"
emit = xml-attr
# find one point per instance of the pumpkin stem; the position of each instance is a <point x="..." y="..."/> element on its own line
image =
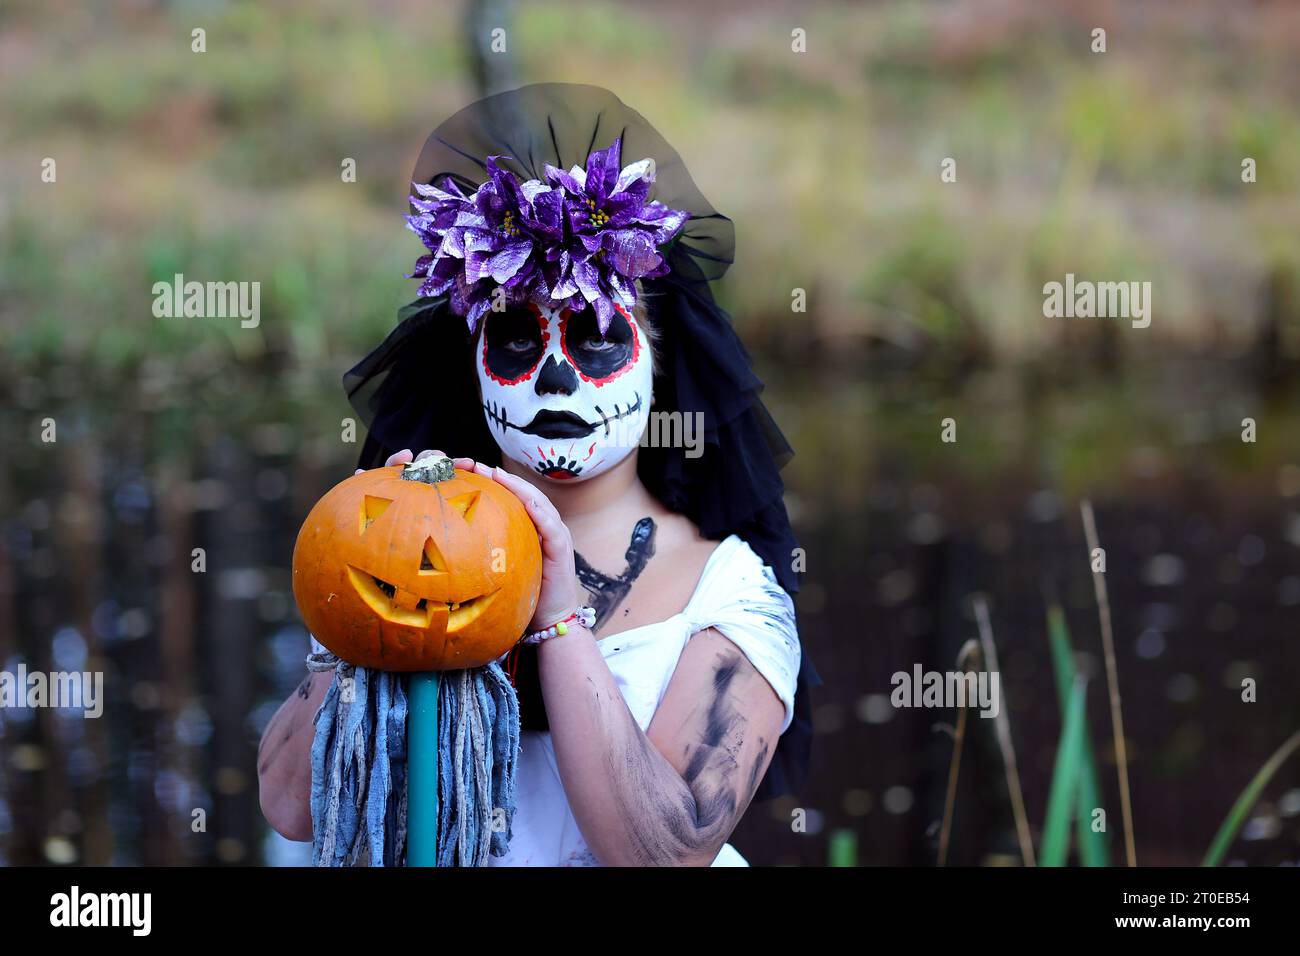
<point x="429" y="470"/>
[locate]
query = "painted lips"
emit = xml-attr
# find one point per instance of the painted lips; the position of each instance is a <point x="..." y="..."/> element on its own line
<point x="550" y="424"/>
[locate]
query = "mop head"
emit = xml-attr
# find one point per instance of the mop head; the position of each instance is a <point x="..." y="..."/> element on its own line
<point x="358" y="766"/>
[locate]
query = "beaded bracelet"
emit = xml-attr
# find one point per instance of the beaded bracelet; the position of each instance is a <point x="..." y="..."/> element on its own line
<point x="586" y="616"/>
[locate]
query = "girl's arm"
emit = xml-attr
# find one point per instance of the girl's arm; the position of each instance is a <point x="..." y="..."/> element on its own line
<point x="284" y="760"/>
<point x="673" y="794"/>
<point x="670" y="795"/>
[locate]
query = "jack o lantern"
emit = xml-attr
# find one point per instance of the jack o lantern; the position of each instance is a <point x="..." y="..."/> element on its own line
<point x="419" y="568"/>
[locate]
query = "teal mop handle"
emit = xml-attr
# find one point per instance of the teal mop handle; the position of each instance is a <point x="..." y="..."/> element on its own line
<point x="422" y="770"/>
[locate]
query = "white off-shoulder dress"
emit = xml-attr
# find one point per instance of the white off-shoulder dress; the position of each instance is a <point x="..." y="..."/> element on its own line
<point x="738" y="595"/>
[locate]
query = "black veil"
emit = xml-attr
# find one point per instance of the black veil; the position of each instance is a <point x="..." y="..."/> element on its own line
<point x="418" y="388"/>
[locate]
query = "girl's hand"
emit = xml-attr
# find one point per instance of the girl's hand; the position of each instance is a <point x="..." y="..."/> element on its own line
<point x="401" y="458"/>
<point x="560" y="595"/>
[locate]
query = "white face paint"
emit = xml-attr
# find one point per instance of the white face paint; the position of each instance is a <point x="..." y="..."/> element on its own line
<point x="557" y="397"/>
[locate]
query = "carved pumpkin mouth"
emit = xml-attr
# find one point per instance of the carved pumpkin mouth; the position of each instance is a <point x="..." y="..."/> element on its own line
<point x="403" y="607"/>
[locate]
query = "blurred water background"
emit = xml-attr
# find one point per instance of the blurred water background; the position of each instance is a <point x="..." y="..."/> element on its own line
<point x="924" y="302"/>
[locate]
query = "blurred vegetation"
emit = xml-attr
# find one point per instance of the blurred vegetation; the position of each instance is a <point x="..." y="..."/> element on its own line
<point x="925" y="302"/>
<point x="226" y="164"/>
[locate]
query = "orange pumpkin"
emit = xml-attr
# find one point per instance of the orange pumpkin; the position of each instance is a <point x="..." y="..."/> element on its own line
<point x="417" y="569"/>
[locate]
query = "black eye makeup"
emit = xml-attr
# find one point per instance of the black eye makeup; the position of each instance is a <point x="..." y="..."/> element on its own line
<point x="599" y="359"/>
<point x="513" y="343"/>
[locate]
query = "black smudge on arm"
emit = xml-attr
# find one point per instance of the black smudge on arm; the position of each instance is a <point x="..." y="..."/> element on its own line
<point x="668" y="825"/>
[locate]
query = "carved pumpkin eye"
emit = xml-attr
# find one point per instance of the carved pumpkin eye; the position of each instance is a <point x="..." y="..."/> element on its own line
<point x="371" y="509"/>
<point x="465" y="504"/>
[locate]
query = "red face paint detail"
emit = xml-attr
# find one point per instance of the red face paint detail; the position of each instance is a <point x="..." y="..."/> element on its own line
<point x="546" y="338"/>
<point x="590" y="450"/>
<point x="636" y="348"/>
<point x="559" y="473"/>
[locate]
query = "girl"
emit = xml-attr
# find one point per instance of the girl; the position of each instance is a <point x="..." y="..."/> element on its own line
<point x="567" y="346"/>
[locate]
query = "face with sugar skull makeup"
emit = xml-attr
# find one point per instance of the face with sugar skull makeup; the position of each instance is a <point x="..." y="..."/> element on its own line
<point x="560" y="398"/>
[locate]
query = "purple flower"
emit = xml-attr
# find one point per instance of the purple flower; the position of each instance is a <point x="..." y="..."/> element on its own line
<point x="579" y="237"/>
